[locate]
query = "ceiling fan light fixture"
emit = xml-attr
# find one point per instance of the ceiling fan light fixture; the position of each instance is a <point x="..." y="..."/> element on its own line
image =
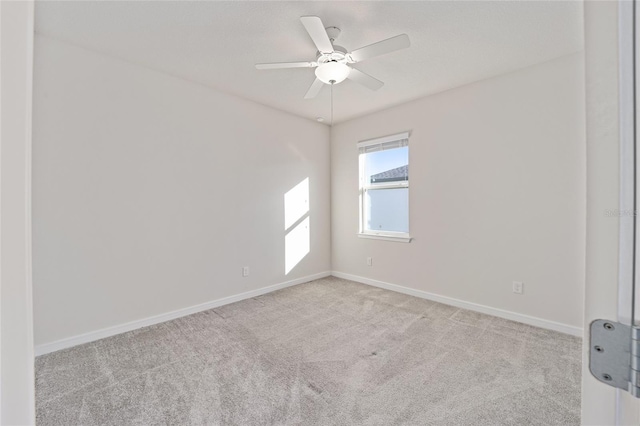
<point x="332" y="72"/>
<point x="332" y="60"/>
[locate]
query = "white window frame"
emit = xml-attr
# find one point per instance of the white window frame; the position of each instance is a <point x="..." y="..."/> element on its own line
<point x="372" y="145"/>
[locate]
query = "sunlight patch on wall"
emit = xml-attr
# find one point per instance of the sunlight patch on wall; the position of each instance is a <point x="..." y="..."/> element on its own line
<point x="297" y="245"/>
<point x="297" y="241"/>
<point x="296" y="203"/>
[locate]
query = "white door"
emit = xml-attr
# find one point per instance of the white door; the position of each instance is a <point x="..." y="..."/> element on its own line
<point x="627" y="406"/>
<point x="611" y="192"/>
<point x="629" y="300"/>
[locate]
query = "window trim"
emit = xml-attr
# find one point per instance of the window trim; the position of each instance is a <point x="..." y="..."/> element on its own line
<point x="384" y="139"/>
<point x="398" y="237"/>
<point x="363" y="188"/>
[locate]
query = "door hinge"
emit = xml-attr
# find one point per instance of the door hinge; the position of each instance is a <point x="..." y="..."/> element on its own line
<point x="614" y="355"/>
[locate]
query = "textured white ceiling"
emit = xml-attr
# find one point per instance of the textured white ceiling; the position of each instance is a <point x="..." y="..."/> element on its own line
<point x="217" y="43"/>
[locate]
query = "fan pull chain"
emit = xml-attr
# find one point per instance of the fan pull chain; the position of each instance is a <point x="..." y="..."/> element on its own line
<point x="331" y="121"/>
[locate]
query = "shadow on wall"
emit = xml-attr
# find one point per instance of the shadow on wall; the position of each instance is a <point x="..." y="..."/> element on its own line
<point x="296" y="225"/>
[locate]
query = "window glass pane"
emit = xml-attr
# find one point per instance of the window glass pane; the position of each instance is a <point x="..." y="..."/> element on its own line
<point x="387" y="210"/>
<point x="390" y="165"/>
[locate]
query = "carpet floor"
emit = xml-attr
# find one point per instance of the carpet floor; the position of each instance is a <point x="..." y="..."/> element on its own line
<point x="329" y="352"/>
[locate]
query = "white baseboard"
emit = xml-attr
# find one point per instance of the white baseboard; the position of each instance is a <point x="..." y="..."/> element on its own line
<point x="134" y="325"/>
<point x="513" y="316"/>
<point x="68" y="342"/>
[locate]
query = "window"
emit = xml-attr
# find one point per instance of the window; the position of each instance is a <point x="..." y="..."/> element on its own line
<point x="384" y="188"/>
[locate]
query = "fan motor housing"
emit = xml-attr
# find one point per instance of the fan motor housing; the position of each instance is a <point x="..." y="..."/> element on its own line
<point x="339" y="54"/>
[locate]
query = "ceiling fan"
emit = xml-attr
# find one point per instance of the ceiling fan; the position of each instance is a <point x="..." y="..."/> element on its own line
<point x="332" y="61"/>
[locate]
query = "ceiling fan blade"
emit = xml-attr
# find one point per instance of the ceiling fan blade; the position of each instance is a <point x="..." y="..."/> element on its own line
<point x="365" y="79"/>
<point x="380" y="48"/>
<point x="278" y="65"/>
<point x="314" y="89"/>
<point x="315" y="28"/>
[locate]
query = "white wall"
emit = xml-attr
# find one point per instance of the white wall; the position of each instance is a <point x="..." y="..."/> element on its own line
<point x="151" y="192"/>
<point x="16" y="314"/>
<point x="497" y="193"/>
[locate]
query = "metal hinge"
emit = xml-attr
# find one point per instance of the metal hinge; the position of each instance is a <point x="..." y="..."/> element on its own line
<point x="614" y="356"/>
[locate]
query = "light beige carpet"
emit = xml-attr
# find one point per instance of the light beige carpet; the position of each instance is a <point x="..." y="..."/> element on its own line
<point x="330" y="352"/>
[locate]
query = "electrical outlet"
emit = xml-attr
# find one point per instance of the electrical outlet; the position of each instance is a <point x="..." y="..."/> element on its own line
<point x="245" y="271"/>
<point x="518" y="287"/>
<point x="370" y="261"/>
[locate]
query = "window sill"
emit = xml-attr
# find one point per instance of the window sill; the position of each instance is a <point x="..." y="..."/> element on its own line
<point x="402" y="238"/>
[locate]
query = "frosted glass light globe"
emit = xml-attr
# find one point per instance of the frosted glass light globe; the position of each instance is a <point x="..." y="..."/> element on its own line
<point x="332" y="71"/>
